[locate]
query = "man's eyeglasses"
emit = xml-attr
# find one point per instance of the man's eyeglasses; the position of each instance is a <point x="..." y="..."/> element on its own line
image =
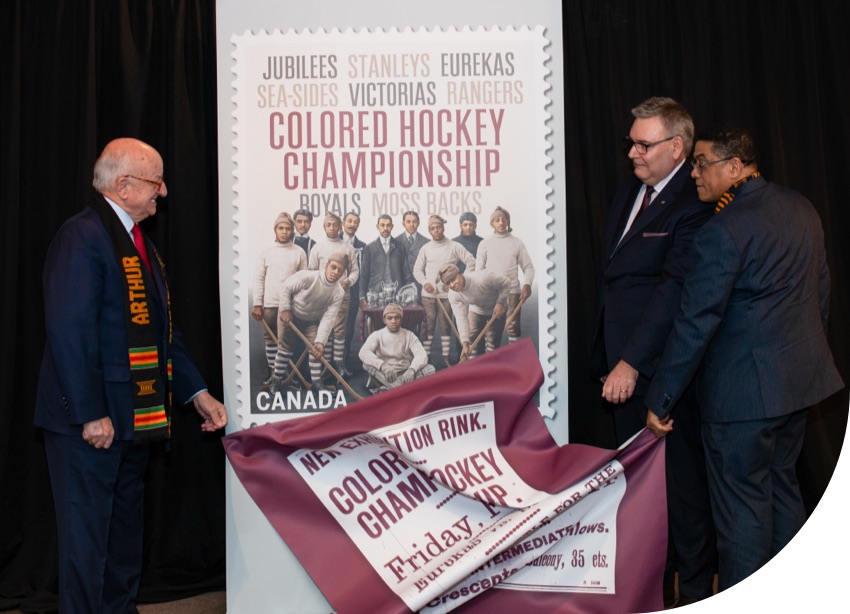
<point x="642" y="147"/>
<point x="701" y="164"/>
<point x="158" y="184"/>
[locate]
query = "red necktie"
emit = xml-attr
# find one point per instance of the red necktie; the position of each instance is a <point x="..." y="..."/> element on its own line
<point x="139" y="240"/>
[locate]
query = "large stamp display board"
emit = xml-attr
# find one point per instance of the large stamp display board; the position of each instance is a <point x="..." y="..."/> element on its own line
<point x="257" y="558"/>
<point x="382" y="122"/>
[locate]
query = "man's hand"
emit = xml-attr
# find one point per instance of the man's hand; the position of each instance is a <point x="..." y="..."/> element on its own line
<point x="429" y="288"/>
<point x="257" y="312"/>
<point x="388" y="372"/>
<point x="659" y="426"/>
<point x="525" y="292"/>
<point x="498" y="310"/>
<point x="620" y="384"/>
<point x="99" y="433"/>
<point x="318" y="350"/>
<point x="211" y="410"/>
<point x="465" y="350"/>
<point x="285" y="316"/>
<point x="407" y="376"/>
<point x="363" y="303"/>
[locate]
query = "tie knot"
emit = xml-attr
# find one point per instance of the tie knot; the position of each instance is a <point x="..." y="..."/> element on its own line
<point x="137" y="232"/>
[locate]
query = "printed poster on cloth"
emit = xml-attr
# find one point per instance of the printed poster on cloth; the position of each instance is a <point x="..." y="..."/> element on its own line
<point x="430" y="500"/>
<point x="449" y="492"/>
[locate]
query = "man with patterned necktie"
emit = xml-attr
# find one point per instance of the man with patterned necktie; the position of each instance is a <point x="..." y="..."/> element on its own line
<point x="411" y="240"/>
<point x="645" y="259"/>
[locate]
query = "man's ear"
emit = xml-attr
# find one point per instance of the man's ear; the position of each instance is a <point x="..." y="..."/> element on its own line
<point x="122" y="186"/>
<point x="678" y="145"/>
<point x="736" y="166"/>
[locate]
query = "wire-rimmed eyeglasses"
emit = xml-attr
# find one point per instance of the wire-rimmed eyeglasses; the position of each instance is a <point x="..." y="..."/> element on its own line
<point x="702" y="164"/>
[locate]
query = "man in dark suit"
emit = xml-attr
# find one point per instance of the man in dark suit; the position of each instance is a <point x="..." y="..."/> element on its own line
<point x="411" y="240"/>
<point x="303" y="219"/>
<point x="350" y="226"/>
<point x="111" y="366"/>
<point x="752" y="331"/>
<point x="384" y="261"/>
<point x="651" y="223"/>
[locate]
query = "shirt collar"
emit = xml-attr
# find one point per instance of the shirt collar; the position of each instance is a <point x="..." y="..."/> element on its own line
<point x="660" y="185"/>
<point x="125" y="218"/>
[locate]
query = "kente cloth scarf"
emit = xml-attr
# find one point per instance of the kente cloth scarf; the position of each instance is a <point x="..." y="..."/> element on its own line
<point x="729" y="194"/>
<point x="151" y="391"/>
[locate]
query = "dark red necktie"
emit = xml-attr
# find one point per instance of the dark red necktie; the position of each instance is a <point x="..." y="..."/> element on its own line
<point x="647" y="197"/>
<point x="139" y="240"/>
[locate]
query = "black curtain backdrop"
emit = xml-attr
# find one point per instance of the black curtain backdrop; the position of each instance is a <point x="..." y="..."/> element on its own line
<point x="77" y="73"/>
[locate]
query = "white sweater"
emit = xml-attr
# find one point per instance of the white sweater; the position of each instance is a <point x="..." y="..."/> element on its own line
<point x="481" y="292"/>
<point x="401" y="350"/>
<point x="435" y="254"/>
<point x="312" y="298"/>
<point x="506" y="255"/>
<point x="322" y="251"/>
<point x="274" y="266"/>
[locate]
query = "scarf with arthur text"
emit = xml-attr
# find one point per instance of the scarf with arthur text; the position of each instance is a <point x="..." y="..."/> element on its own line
<point x="151" y="391"/>
<point x="729" y="194"/>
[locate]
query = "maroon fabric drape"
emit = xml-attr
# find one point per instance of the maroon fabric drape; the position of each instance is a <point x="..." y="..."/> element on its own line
<point x="261" y="459"/>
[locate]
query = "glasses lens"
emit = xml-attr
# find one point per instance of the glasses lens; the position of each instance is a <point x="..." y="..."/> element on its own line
<point x="628" y="144"/>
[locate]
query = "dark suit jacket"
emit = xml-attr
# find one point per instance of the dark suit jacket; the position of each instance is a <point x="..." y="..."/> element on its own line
<point x="412" y="250"/>
<point x="85" y="372"/>
<point x="305" y="243"/>
<point x="374" y="262"/>
<point x="640" y="289"/>
<point x="754" y="312"/>
<point x="358" y="246"/>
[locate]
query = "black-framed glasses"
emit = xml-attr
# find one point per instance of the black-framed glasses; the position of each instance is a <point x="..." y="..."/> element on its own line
<point x="642" y="147"/>
<point x="158" y="184"/>
<point x="702" y="164"/>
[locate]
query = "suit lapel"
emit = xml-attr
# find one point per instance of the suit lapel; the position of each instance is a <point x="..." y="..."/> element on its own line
<point x="158" y="287"/>
<point x="612" y="241"/>
<point x="647" y="217"/>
